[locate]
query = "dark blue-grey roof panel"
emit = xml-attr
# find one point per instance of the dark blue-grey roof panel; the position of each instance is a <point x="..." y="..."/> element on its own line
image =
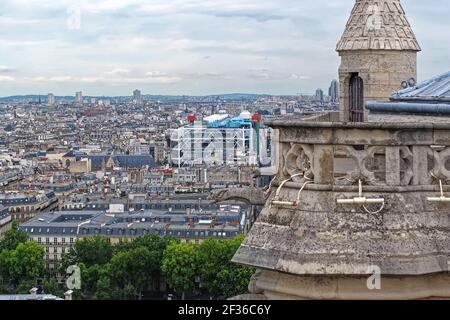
<point x="135" y="161"/>
<point x="437" y="88"/>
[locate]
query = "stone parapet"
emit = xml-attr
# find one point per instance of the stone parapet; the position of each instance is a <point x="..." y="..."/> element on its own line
<point x="304" y="230"/>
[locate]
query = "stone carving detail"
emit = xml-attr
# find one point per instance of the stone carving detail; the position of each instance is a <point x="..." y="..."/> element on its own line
<point x="253" y="196"/>
<point x="380" y="25"/>
<point x="361" y="157"/>
<point x="440" y="159"/>
<point x="298" y="160"/>
<point x="406" y="158"/>
<point x="369" y="164"/>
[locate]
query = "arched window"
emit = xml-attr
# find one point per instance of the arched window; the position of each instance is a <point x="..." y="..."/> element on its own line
<point x="356" y="99"/>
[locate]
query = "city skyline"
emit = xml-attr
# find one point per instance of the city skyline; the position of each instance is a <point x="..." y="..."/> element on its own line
<point x="163" y="48"/>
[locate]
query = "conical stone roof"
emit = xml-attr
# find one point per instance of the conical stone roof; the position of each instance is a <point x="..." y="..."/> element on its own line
<point x="378" y="25"/>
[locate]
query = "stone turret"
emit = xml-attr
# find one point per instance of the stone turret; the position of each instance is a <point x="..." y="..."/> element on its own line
<point x="359" y="209"/>
<point x="378" y="52"/>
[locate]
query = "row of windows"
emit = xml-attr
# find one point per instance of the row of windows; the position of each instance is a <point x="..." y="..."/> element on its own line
<point x="55" y="250"/>
<point x="170" y="233"/>
<point x="64" y="230"/>
<point x="54" y="257"/>
<point x="196" y="241"/>
<point x="55" y="240"/>
<point x="23" y="217"/>
<point x="146" y="206"/>
<point x="23" y="209"/>
<point x="13" y="201"/>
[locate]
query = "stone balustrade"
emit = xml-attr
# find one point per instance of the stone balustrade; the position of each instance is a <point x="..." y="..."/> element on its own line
<point x="381" y="155"/>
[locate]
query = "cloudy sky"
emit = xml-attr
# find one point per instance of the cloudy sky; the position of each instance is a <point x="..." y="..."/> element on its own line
<point x="110" y="47"/>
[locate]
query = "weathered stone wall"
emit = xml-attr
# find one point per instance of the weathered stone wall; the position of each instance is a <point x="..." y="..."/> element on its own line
<point x="317" y="236"/>
<point x="382" y="73"/>
<point x="278" y="286"/>
<point x="231" y="175"/>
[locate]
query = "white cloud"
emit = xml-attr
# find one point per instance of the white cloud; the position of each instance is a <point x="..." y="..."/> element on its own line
<point x="151" y="78"/>
<point x="49" y="79"/>
<point x="155" y="74"/>
<point x="161" y="77"/>
<point x="299" y="77"/>
<point x="118" y="71"/>
<point x="6" y="78"/>
<point x="190" y="46"/>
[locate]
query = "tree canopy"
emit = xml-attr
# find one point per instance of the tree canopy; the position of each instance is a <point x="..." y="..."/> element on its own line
<point x="24" y="264"/>
<point x="128" y="269"/>
<point x="181" y="266"/>
<point x="13" y="237"/>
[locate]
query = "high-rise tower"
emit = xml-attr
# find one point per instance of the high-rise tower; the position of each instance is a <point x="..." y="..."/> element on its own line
<point x="333" y="91"/>
<point x="79" y="97"/>
<point x="51" y="99"/>
<point x="137" y="97"/>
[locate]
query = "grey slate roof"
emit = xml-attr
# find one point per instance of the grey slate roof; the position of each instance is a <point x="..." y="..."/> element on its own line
<point x="436" y="89"/>
<point x="73" y="223"/>
<point x="126" y="161"/>
<point x="134" y="161"/>
<point x="4" y="212"/>
<point x="97" y="161"/>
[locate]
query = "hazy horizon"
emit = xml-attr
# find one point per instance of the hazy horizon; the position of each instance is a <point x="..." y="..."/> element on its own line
<point x="189" y="47"/>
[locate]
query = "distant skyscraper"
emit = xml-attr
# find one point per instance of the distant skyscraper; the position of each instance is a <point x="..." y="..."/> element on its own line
<point x="319" y="95"/>
<point x="51" y="99"/>
<point x="93" y="100"/>
<point x="333" y="92"/>
<point x="137" y="96"/>
<point x="79" y="97"/>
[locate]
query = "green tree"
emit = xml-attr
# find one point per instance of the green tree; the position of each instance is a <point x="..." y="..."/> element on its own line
<point x="27" y="261"/>
<point x="221" y="277"/>
<point x="90" y="277"/>
<point x="213" y="257"/>
<point x="3" y="287"/>
<point x="24" y="264"/>
<point x="180" y="266"/>
<point x="104" y="288"/>
<point x="90" y="251"/>
<point x="51" y="286"/>
<point x="156" y="246"/>
<point x="13" y="237"/>
<point x="107" y="290"/>
<point x="24" y="286"/>
<point x="135" y="268"/>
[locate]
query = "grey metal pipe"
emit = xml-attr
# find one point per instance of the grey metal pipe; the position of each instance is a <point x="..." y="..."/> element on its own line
<point x="398" y="107"/>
